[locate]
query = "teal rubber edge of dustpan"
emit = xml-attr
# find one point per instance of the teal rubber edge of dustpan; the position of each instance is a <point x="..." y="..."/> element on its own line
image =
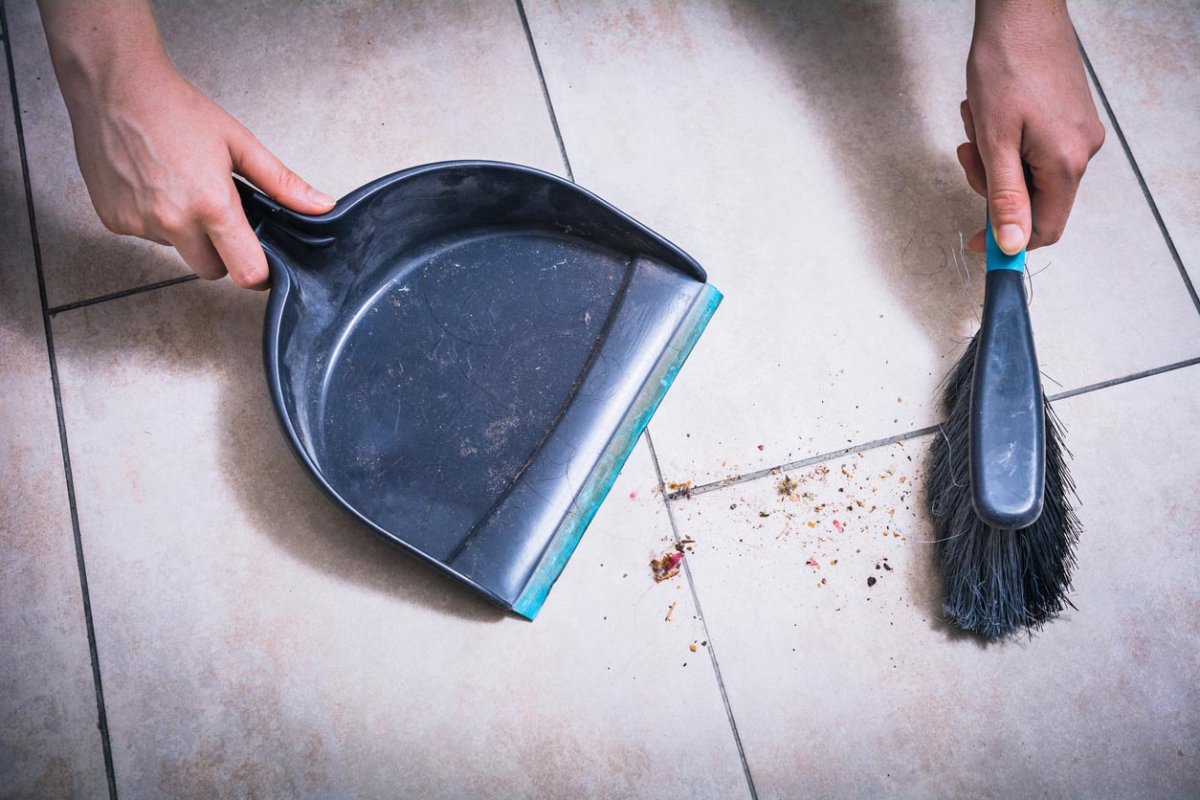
<point x="531" y="600"/>
<point x="462" y="355"/>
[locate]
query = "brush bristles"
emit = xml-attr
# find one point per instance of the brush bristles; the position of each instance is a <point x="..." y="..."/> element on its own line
<point x="998" y="582"/>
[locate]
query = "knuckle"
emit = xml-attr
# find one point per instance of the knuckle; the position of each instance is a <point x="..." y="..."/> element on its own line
<point x="1006" y="201"/>
<point x="250" y="278"/>
<point x="287" y="180"/>
<point x="210" y="206"/>
<point x="169" y="218"/>
<point x="1051" y="234"/>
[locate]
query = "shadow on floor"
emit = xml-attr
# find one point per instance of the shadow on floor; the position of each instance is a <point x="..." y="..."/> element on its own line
<point x="216" y="329"/>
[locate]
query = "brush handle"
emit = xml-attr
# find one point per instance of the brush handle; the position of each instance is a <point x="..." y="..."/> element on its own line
<point x="1008" y="425"/>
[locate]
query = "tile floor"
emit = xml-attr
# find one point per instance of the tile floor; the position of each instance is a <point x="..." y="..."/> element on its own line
<point x="250" y="641"/>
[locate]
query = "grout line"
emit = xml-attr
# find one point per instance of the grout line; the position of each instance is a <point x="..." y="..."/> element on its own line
<point x="104" y="298"/>
<point x="1162" y="225"/>
<point x="537" y="63"/>
<point x="1136" y="376"/>
<point x="712" y="650"/>
<point x="734" y="480"/>
<point x="102" y="716"/>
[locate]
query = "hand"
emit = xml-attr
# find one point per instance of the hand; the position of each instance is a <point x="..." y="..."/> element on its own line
<point x="1028" y="109"/>
<point x="157" y="155"/>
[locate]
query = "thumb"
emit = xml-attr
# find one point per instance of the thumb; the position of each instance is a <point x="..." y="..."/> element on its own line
<point x="260" y="166"/>
<point x="1008" y="196"/>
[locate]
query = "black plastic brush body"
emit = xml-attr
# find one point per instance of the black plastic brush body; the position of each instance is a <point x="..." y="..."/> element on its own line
<point x="999" y="490"/>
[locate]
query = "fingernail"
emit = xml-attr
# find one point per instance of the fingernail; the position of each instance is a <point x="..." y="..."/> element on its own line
<point x="320" y="198"/>
<point x="1010" y="238"/>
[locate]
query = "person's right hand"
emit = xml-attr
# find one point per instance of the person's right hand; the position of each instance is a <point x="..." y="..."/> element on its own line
<point x="157" y="155"/>
<point x="1028" y="109"/>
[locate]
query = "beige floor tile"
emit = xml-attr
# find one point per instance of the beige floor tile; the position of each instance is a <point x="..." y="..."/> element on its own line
<point x="342" y="92"/>
<point x="840" y="688"/>
<point x="1147" y="57"/>
<point x="804" y="153"/>
<point x="257" y="641"/>
<point x="49" y="742"/>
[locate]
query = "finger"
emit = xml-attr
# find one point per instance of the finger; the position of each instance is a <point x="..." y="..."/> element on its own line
<point x="968" y="119"/>
<point x="238" y="247"/>
<point x="1052" y="201"/>
<point x="195" y="248"/>
<point x="972" y="164"/>
<point x="978" y="242"/>
<point x="260" y="166"/>
<point x="1007" y="194"/>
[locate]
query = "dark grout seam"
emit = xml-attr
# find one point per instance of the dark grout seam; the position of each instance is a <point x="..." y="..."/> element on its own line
<point x="1134" y="376"/>
<point x="1162" y="225"/>
<point x="104" y="298"/>
<point x="734" y="480"/>
<point x="102" y="716"/>
<point x="537" y="63"/>
<point x="745" y="477"/>
<point x="712" y="650"/>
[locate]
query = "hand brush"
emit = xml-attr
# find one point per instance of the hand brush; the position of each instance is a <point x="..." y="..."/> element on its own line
<point x="999" y="489"/>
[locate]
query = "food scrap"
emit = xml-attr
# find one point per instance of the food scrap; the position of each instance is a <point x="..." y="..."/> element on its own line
<point x="870" y="582"/>
<point x="670" y="611"/>
<point x="838" y="526"/>
<point x="633" y="495"/>
<point x="666" y="566"/>
<point x="692" y="647"/>
<point x="762" y="447"/>
<point x="787" y="486"/>
<point x="812" y="562"/>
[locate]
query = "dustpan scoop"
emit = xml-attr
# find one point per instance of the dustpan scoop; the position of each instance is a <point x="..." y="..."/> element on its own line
<point x="462" y="355"/>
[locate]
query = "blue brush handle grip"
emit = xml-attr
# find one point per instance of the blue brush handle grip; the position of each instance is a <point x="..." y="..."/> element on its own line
<point x="997" y="258"/>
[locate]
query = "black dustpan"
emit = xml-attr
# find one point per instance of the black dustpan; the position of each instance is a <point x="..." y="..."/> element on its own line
<point x="464" y="354"/>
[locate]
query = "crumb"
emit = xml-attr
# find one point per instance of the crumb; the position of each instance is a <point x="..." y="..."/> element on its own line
<point x="870" y="582"/>
<point x="670" y="611"/>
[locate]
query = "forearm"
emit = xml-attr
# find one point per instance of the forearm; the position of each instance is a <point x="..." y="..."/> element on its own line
<point x="99" y="47"/>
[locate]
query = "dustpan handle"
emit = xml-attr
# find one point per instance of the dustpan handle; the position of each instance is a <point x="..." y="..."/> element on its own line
<point x="257" y="205"/>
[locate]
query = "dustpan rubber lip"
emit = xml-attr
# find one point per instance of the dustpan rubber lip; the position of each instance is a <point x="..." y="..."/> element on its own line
<point x="282" y="285"/>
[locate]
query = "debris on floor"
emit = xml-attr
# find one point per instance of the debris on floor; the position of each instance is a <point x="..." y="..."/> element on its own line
<point x="670" y="611"/>
<point x="680" y="489"/>
<point x="666" y="566"/>
<point x="787" y="487"/>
